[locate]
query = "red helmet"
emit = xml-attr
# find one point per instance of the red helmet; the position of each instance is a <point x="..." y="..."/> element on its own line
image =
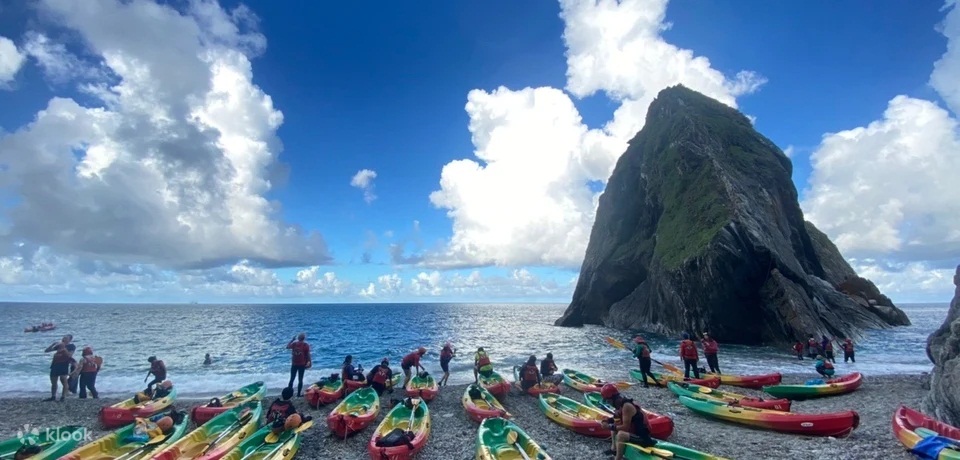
<point x="609" y="391"/>
<point x="639" y="339"/>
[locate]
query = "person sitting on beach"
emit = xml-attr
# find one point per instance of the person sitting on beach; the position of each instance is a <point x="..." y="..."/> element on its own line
<point x="60" y="366"/>
<point x="710" y="350"/>
<point x="147" y="429"/>
<point x="446" y="354"/>
<point x="26" y="451"/>
<point x="380" y="377"/>
<point x="412" y="360"/>
<point x="529" y="374"/>
<point x="629" y="424"/>
<point x="690" y="357"/>
<point x="282" y="407"/>
<point x="207" y="360"/>
<point x="848" y="351"/>
<point x="481" y="364"/>
<point x="158" y="369"/>
<point x="798" y="349"/>
<point x="813" y="348"/>
<point x="548" y="370"/>
<point x="642" y="352"/>
<point x="300" y="360"/>
<point x="348" y="372"/>
<point x="824" y="367"/>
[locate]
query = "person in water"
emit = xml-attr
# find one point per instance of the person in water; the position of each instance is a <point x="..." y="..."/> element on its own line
<point x="207" y="360"/>
<point x="530" y="374"/>
<point x="630" y="427"/>
<point x="87" y="372"/>
<point x="690" y="357"/>
<point x="412" y="360"/>
<point x="481" y="364"/>
<point x="848" y="351"/>
<point x="798" y="349"/>
<point x="641" y="351"/>
<point x="380" y="377"/>
<point x="158" y="369"/>
<point x="813" y="348"/>
<point x="60" y="367"/>
<point x="710" y="350"/>
<point x="828" y="351"/>
<point x="299" y="360"/>
<point x="548" y="370"/>
<point x="824" y="367"/>
<point x="446" y="354"/>
<point x="348" y="371"/>
<point x="282" y="407"/>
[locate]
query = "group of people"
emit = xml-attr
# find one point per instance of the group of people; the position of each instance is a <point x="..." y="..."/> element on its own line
<point x="822" y="353"/>
<point x="71" y="374"/>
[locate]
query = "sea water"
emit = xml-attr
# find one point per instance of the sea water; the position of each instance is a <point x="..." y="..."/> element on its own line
<point x="248" y="342"/>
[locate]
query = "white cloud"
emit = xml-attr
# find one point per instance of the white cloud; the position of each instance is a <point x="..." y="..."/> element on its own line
<point x="363" y="180"/>
<point x="390" y="284"/>
<point x="313" y="282"/>
<point x="887" y="192"/>
<point x="526" y="199"/>
<point x="789" y="151"/>
<point x="170" y="166"/>
<point x="369" y="292"/>
<point x="11" y="59"/>
<point x="57" y="63"/>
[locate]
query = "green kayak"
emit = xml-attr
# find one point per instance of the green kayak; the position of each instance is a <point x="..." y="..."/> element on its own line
<point x="493" y="442"/>
<point x="664" y="450"/>
<point x="594" y="400"/>
<point x="55" y="442"/>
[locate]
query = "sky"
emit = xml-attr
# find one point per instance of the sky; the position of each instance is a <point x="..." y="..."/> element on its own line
<point x="440" y="151"/>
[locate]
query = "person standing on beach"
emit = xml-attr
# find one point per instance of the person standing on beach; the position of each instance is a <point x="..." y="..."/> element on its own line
<point x="548" y="370"/>
<point x="798" y="349"/>
<point x="300" y="360"/>
<point x="848" y="351"/>
<point x="481" y="364"/>
<point x="633" y="426"/>
<point x="828" y="351"/>
<point x="710" y="350"/>
<point x="87" y="370"/>
<point x="812" y="348"/>
<point x="690" y="357"/>
<point x="642" y="352"/>
<point x="446" y="354"/>
<point x="412" y="360"/>
<point x="159" y="371"/>
<point x="59" y="367"/>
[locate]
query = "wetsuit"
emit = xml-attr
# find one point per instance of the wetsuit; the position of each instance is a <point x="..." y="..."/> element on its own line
<point x="690" y="357"/>
<point x="378" y="378"/>
<point x="529" y="376"/>
<point x="299" y="357"/>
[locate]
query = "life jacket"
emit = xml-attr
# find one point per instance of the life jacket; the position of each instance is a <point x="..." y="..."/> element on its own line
<point x="812" y="343"/>
<point x="688" y="350"/>
<point x="638" y="425"/>
<point x="848" y="347"/>
<point x="298" y="353"/>
<point x="798" y="347"/>
<point x="641" y="351"/>
<point x="158" y="369"/>
<point x="446" y="353"/>
<point x="410" y="360"/>
<point x="530" y="373"/>
<point x="380" y="374"/>
<point x="710" y="347"/>
<point x="827" y="365"/>
<point x="829" y="346"/>
<point x="482" y="359"/>
<point x="279" y="410"/>
<point x="546" y="367"/>
<point x="89" y="364"/>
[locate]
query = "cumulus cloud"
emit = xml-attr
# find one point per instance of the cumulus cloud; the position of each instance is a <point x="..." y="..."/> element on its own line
<point x="363" y="180"/>
<point x="313" y="282"/>
<point x="11" y="59"/>
<point x="58" y="64"/>
<point x="526" y="199"/>
<point x="169" y="164"/>
<point x="886" y="192"/>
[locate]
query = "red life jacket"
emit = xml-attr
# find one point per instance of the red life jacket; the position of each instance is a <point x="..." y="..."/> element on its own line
<point x="827" y="365"/>
<point x="483" y="360"/>
<point x="798" y="347"/>
<point x="446" y="353"/>
<point x="644" y="351"/>
<point x="530" y="373"/>
<point x="280" y="410"/>
<point x="812" y="343"/>
<point x="411" y="359"/>
<point x="848" y="347"/>
<point x="688" y="350"/>
<point x="299" y="352"/>
<point x="829" y="346"/>
<point x="710" y="347"/>
<point x="89" y="365"/>
<point x="381" y="375"/>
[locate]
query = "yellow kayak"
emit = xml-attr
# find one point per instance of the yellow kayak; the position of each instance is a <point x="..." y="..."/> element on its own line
<point x="123" y="443"/>
<point x="218" y="436"/>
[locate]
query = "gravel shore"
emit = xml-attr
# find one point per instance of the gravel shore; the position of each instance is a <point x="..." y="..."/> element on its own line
<point x="453" y="434"/>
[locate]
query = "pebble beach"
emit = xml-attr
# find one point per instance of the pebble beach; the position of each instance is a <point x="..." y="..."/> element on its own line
<point x="453" y="434"/>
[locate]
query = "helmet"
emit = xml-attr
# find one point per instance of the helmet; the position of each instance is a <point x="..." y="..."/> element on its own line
<point x="609" y="391"/>
<point x="421" y="350"/>
<point x="293" y="421"/>
<point x="639" y="339"/>
<point x="165" y="424"/>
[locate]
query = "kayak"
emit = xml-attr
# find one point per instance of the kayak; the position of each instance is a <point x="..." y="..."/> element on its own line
<point x="353" y="385"/>
<point x="661" y="426"/>
<point x="663" y="450"/>
<point x="219" y="435"/>
<point x="838" y="424"/>
<point x="125" y="412"/>
<point x="754" y="382"/>
<point x="663" y="378"/>
<point x="482" y="404"/>
<point x="354" y="413"/>
<point x="323" y="392"/>
<point x="54" y="442"/>
<point x="590" y="421"/>
<point x="910" y="427"/>
<point x="119" y="443"/>
<point x="495" y="384"/>
<point x="256" y="447"/>
<point x="838" y="386"/>
<point x="543" y="387"/>
<point x="423" y="387"/>
<point x="252" y="392"/>
<point x="583" y="382"/>
<point x="689" y="389"/>
<point x="493" y="442"/>
<point x="411" y="416"/>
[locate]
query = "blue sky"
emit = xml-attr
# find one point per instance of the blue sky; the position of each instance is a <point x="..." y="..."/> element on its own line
<point x="384" y="87"/>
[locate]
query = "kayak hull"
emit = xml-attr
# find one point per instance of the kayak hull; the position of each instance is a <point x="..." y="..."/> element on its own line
<point x="635" y="452"/>
<point x="906" y="422"/>
<point x="661" y="426"/>
<point x="399" y="417"/>
<point x="252" y="392"/>
<point x="492" y="442"/>
<point x="349" y="386"/>
<point x="580" y="381"/>
<point x="838" y="424"/>
<point x="832" y="387"/>
<point x="538" y="389"/>
<point x="754" y="382"/>
<point x="590" y="421"/>
<point x="357" y="411"/>
<point x="125" y="412"/>
<point x="324" y="392"/>
<point x="116" y="444"/>
<point x="482" y="408"/>
<point x="254" y="446"/>
<point x="664" y="378"/>
<point x="495" y="384"/>
<point x="689" y="389"/>
<point x="423" y="387"/>
<point x="196" y="444"/>
<point x="64" y="439"/>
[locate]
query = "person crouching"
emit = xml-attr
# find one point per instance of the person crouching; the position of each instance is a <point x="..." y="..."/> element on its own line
<point x="632" y="426"/>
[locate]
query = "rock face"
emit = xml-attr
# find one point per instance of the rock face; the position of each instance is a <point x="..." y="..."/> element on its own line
<point x="943" y="348"/>
<point x="699" y="229"/>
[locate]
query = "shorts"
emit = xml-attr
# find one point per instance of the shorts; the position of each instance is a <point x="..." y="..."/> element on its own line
<point x="445" y="365"/>
<point x="405" y="367"/>
<point x="642" y="441"/>
<point x="485" y="372"/>
<point x="59" y="369"/>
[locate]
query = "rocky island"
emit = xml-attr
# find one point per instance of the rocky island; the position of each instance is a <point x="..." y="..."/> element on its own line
<point x="700" y="228"/>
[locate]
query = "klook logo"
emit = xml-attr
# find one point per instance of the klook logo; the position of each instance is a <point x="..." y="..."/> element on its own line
<point x="29" y="435"/>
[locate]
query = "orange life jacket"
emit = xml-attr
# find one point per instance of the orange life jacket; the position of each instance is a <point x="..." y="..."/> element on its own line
<point x="483" y="360"/>
<point x="89" y="365"/>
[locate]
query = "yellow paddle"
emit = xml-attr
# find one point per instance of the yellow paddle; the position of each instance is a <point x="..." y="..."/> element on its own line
<point x="272" y="437"/>
<point x="662" y="453"/>
<point x="616" y="343"/>
<point x="512" y="439"/>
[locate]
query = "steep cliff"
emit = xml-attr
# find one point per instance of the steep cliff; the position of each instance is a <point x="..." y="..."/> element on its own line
<point x="699" y="229"/>
<point x="943" y="348"/>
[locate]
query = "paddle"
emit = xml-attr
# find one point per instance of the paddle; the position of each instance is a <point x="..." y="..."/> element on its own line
<point x="512" y="440"/>
<point x="136" y="452"/>
<point x="413" y="412"/>
<point x="662" y="453"/>
<point x="272" y="437"/>
<point x="242" y="420"/>
<point x="616" y="343"/>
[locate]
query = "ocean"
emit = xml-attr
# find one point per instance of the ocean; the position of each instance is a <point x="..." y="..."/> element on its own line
<point x="248" y="342"/>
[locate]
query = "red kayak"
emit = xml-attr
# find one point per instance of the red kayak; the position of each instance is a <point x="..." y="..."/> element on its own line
<point x="353" y="385"/>
<point x="837" y="424"/>
<point x="324" y="392"/>
<point x="354" y="413"/>
<point x="755" y="382"/>
<point x="910" y="427"/>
